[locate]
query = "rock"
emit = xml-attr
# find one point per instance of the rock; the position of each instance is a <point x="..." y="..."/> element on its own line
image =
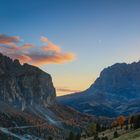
<point x="115" y="92"/>
<point x="24" y="85"/>
<point x="121" y="80"/>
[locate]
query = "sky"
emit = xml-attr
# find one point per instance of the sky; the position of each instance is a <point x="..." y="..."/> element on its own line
<point x="73" y="40"/>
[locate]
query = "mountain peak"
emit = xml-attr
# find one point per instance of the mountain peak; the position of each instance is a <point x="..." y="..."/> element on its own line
<point x="24" y="85"/>
<point x="116" y="91"/>
<point x="120" y="78"/>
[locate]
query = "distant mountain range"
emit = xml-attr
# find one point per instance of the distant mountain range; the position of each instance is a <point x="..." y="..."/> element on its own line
<point x="115" y="92"/>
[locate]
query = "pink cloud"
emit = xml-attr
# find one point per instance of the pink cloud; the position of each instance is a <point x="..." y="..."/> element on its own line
<point x="27" y="46"/>
<point x="51" y="47"/>
<point x="4" y="39"/>
<point x="44" y="39"/>
<point x="67" y="90"/>
<point x="55" y="58"/>
<point x="24" y="58"/>
<point x="29" y="53"/>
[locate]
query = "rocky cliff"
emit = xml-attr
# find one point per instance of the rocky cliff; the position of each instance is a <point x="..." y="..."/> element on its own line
<point x="121" y="79"/>
<point x="115" y="92"/>
<point x="24" y="85"/>
<point x="28" y="106"/>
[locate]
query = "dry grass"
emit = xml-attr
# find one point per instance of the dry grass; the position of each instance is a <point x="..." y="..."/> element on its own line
<point x="134" y="135"/>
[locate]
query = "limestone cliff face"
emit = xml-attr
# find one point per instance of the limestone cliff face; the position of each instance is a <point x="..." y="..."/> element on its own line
<point x="121" y="80"/>
<point x="24" y="85"/>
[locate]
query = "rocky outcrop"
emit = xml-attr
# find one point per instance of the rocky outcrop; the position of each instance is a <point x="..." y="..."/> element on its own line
<point x="24" y="85"/>
<point x="121" y="80"/>
<point x="115" y="92"/>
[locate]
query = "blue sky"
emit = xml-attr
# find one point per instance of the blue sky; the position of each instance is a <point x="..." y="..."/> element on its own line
<point x="99" y="32"/>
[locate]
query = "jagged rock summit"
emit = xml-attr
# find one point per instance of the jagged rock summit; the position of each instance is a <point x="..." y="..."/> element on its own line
<point x="120" y="79"/>
<point x="24" y="85"/>
<point x="115" y="92"/>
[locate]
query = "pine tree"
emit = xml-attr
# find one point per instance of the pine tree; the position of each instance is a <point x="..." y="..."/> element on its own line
<point x="98" y="127"/>
<point x="71" y="136"/>
<point x="77" y="137"/>
<point x="116" y="134"/>
<point x="137" y="122"/>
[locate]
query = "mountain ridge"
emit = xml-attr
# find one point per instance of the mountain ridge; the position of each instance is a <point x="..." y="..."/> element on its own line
<point x="113" y="92"/>
<point x="24" y="84"/>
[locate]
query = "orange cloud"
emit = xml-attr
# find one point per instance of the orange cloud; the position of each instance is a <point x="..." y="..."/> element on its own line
<point x="4" y="39"/>
<point x="29" y="53"/>
<point x="27" y="46"/>
<point x="51" y="47"/>
<point x="56" y="58"/>
<point x="24" y="58"/>
<point x="44" y="39"/>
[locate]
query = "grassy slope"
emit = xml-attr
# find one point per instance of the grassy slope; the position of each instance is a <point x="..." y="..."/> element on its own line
<point x="134" y="135"/>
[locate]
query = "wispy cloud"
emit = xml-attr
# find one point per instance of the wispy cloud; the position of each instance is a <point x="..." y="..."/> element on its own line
<point x="48" y="53"/>
<point x="4" y="39"/>
<point x="67" y="90"/>
<point x="44" y="39"/>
